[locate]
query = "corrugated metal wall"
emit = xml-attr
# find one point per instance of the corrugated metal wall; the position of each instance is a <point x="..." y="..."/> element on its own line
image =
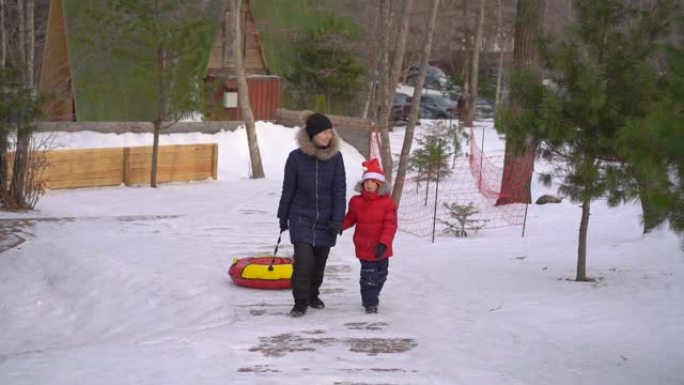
<point x="265" y="97"/>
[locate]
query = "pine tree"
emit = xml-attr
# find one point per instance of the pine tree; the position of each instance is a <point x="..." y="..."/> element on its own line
<point x="462" y="215"/>
<point x="654" y="146"/>
<point x="603" y="76"/>
<point x="167" y="40"/>
<point x="431" y="159"/>
<point x="325" y="69"/>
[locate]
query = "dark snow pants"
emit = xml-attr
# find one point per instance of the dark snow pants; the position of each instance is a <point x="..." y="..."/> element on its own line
<point x="308" y="269"/>
<point x="373" y="277"/>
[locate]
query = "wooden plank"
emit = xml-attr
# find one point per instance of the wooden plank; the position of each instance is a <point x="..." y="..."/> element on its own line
<point x="84" y="167"/>
<point x="183" y="162"/>
<point x="129" y="165"/>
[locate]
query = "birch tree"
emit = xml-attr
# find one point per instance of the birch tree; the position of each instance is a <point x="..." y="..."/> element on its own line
<point x="471" y="100"/>
<point x="381" y="122"/>
<point x="415" y="105"/>
<point x="3" y="36"/>
<point x="391" y="81"/>
<point x="501" y="42"/>
<point x="243" y="92"/>
<point x="4" y="143"/>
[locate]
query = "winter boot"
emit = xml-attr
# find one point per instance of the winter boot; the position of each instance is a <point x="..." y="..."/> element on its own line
<point x="371" y="309"/>
<point x="316" y="303"/>
<point x="298" y="310"/>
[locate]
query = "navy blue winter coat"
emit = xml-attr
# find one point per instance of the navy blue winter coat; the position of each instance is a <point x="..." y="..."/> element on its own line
<point x="314" y="191"/>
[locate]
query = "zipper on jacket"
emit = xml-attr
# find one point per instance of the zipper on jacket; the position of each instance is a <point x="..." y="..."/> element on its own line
<point x="313" y="227"/>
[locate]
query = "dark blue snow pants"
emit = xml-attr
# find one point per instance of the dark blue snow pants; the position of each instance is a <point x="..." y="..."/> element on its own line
<point x="373" y="277"/>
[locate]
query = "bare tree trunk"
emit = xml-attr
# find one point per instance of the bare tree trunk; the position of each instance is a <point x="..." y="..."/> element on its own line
<point x="369" y="98"/>
<point x="467" y="48"/>
<point x="498" y="99"/>
<point x="500" y="42"/>
<point x="4" y="132"/>
<point x="21" y="153"/>
<point x="30" y="43"/>
<point x="155" y="152"/>
<point x="518" y="168"/>
<point x="161" y="110"/>
<point x="381" y="123"/>
<point x="243" y="93"/>
<point x="3" y="36"/>
<point x="471" y="102"/>
<point x="415" y="106"/>
<point x="399" y="51"/>
<point x="21" y="37"/>
<point x="370" y="105"/>
<point x="392" y="81"/>
<point x="582" y="244"/>
<point x="453" y="38"/>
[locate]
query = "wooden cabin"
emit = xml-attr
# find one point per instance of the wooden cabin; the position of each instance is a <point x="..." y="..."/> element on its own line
<point x="265" y="91"/>
<point x="56" y="79"/>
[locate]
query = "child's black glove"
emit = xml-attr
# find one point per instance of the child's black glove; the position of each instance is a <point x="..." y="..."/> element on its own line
<point x="380" y="250"/>
<point x="283" y="225"/>
<point x="334" y="228"/>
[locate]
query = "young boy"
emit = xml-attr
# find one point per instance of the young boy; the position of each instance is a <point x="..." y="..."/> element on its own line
<point x="375" y="215"/>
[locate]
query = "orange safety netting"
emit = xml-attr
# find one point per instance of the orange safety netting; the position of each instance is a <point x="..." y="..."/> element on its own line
<point x="475" y="178"/>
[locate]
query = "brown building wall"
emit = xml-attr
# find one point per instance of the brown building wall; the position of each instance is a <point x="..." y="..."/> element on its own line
<point x="265" y="97"/>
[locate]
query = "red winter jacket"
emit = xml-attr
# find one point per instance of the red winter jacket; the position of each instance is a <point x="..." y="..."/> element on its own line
<point x="375" y="217"/>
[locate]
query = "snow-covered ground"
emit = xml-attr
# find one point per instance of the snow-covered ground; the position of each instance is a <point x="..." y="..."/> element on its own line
<point x="128" y="285"/>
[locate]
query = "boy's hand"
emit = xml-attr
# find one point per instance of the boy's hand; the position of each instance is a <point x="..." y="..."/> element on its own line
<point x="380" y="250"/>
<point x="283" y="225"/>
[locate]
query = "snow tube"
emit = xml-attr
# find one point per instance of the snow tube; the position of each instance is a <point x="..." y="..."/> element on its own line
<point x="254" y="272"/>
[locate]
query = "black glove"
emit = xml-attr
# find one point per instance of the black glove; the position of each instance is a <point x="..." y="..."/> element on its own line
<point x="380" y="250"/>
<point x="283" y="225"/>
<point x="334" y="228"/>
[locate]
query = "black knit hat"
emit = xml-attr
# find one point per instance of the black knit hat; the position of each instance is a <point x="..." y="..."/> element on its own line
<point x="317" y="123"/>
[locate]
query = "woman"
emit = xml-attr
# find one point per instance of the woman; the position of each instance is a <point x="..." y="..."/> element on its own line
<point x="312" y="206"/>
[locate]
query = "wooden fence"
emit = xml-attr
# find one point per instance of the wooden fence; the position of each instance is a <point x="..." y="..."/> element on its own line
<point x="94" y="167"/>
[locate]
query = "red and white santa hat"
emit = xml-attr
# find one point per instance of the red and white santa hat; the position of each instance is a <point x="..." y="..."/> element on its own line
<point x="372" y="170"/>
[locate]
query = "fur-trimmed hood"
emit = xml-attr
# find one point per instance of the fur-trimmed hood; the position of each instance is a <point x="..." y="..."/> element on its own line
<point x="384" y="189"/>
<point x="308" y="147"/>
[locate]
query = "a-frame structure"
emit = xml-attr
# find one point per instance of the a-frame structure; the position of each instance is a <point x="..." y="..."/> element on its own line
<point x="220" y="64"/>
<point x="56" y="80"/>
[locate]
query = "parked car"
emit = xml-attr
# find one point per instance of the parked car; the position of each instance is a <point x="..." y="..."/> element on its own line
<point x="431" y="107"/>
<point x="435" y="79"/>
<point x="440" y="107"/>
<point x="484" y="109"/>
<point x="401" y="107"/>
